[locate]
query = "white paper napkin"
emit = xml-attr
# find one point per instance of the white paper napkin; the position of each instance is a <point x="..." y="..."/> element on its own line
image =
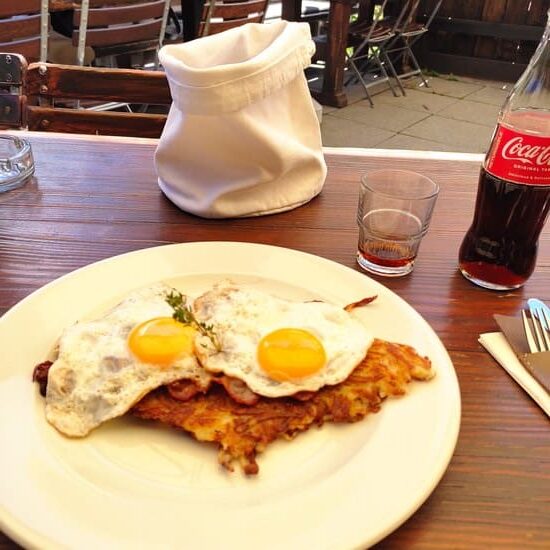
<point x="497" y="345"/>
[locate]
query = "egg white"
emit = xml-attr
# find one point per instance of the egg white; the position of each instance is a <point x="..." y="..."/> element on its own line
<point x="241" y="317"/>
<point x="96" y="377"/>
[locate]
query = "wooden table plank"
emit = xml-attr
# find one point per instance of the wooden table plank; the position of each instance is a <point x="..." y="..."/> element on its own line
<point x="97" y="197"/>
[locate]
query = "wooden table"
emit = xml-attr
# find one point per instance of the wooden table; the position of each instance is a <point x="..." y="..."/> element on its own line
<point x="105" y="201"/>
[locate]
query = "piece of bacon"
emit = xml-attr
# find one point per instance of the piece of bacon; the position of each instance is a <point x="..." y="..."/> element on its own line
<point x="360" y="303"/>
<point x="183" y="390"/>
<point x="40" y="375"/>
<point x="303" y="395"/>
<point x="238" y="390"/>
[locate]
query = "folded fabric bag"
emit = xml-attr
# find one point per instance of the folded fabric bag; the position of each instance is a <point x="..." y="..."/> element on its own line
<point x="242" y="137"/>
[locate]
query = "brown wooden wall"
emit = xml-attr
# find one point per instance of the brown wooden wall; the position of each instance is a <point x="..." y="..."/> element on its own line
<point x="492" y="38"/>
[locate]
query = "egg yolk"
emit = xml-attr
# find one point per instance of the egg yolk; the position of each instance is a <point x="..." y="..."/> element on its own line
<point x="290" y="353"/>
<point x="161" y="340"/>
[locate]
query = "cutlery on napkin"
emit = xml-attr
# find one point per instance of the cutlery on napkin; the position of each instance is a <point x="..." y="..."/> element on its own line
<point x="530" y="370"/>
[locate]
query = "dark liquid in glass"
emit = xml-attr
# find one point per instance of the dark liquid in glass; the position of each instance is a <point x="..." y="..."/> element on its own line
<point x="386" y="254"/>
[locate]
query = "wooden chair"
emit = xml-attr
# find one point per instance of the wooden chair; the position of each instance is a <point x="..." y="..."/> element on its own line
<point x="45" y="85"/>
<point x="24" y="28"/>
<point x="13" y="68"/>
<point x="117" y="27"/>
<point x="221" y="15"/>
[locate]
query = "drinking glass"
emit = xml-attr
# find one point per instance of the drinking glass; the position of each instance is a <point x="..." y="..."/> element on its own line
<point x="394" y="212"/>
<point x="16" y="162"/>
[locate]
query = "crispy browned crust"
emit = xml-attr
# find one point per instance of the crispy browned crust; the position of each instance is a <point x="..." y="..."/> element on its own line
<point x="243" y="431"/>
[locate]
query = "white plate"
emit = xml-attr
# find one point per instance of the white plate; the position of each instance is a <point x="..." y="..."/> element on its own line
<point x="132" y="484"/>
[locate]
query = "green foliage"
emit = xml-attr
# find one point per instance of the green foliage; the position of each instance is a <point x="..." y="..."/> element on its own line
<point x="184" y="315"/>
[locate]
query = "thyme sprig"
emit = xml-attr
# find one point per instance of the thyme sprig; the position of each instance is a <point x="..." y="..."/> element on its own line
<point x="183" y="314"/>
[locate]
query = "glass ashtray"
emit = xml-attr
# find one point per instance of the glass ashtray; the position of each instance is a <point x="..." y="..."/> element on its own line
<point x="16" y="162"/>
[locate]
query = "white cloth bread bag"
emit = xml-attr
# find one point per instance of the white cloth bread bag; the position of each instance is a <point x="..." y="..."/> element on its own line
<point x="242" y="137"/>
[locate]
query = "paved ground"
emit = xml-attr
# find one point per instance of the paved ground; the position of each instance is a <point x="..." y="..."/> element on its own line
<point x="453" y="114"/>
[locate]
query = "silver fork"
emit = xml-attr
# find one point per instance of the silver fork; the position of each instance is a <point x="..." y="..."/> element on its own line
<point x="537" y="329"/>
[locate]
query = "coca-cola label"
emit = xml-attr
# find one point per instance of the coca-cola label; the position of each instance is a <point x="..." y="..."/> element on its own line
<point x="519" y="158"/>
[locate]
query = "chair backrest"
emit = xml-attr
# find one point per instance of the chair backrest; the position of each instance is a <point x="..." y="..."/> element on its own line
<point x="46" y="87"/>
<point x="377" y="18"/>
<point x="114" y="26"/>
<point x="24" y="28"/>
<point x="221" y="15"/>
<point x="407" y="14"/>
<point x="371" y="20"/>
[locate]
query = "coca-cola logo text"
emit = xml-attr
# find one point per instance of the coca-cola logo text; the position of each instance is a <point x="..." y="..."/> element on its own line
<point x="515" y="149"/>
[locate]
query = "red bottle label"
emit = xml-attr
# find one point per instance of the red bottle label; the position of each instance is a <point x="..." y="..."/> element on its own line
<point x="519" y="158"/>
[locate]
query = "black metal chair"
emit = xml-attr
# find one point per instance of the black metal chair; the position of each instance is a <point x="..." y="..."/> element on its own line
<point x="368" y="40"/>
<point x="408" y="32"/>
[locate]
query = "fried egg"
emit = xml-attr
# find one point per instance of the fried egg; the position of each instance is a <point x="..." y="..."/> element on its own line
<point x="275" y="346"/>
<point x="106" y="365"/>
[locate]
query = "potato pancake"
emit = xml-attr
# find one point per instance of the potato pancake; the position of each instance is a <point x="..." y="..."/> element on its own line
<point x="243" y="431"/>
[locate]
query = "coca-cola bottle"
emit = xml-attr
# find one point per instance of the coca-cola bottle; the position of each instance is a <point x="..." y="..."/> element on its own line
<point x="513" y="199"/>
